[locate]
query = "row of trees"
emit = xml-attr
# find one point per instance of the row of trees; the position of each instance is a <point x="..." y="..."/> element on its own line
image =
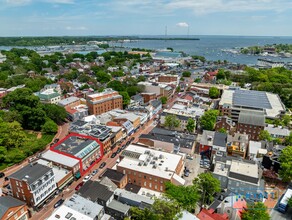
<point x="172" y="122"/>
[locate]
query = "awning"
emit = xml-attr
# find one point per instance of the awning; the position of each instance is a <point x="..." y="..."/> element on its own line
<point x="77" y="175"/>
<point x="67" y="181"/>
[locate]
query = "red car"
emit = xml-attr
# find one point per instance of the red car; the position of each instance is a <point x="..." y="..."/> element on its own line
<point x="79" y="186"/>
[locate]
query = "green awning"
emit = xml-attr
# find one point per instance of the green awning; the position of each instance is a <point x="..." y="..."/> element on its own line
<point x="77" y="175"/>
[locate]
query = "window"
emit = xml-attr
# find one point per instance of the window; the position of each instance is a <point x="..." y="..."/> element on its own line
<point x="161" y="188"/>
<point x="150" y="185"/>
<point x="145" y="184"/>
<point x="16" y="183"/>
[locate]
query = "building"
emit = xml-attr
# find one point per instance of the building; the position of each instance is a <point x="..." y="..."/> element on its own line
<point x="255" y="151"/>
<point x="78" y="207"/>
<point x="158" y="89"/>
<point x="104" y="196"/>
<point x="70" y="102"/>
<point x="242" y="177"/>
<point x="150" y="168"/>
<point x="132" y="199"/>
<point x="169" y="141"/>
<point x="133" y="118"/>
<point x="156" y="106"/>
<point x="88" y="150"/>
<point x="167" y="78"/>
<point x="137" y="100"/>
<point x="270" y="63"/>
<point x="237" y="145"/>
<point x="234" y="101"/>
<point x="109" y="136"/>
<point x="251" y="123"/>
<point x="33" y="184"/>
<point x="232" y="206"/>
<point x="13" y="209"/>
<point x="277" y="131"/>
<point x="211" y="141"/>
<point x="147" y="97"/>
<point x="105" y="101"/>
<point x="49" y="96"/>
<point x="224" y="122"/>
<point x="53" y="86"/>
<point x="210" y="214"/>
<point x="116" y="177"/>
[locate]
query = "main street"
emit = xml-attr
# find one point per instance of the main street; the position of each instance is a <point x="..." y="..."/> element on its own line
<point x="48" y="209"/>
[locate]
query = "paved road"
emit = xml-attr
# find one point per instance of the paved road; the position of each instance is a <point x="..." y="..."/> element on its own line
<point x="110" y="162"/>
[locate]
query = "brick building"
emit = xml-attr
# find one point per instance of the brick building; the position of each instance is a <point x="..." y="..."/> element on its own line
<point x="251" y="123"/>
<point x="33" y="184"/>
<point x="167" y="78"/>
<point x="224" y="122"/>
<point x="148" y="97"/>
<point x="102" y="102"/>
<point x="151" y="168"/>
<point x="116" y="177"/>
<point x="13" y="209"/>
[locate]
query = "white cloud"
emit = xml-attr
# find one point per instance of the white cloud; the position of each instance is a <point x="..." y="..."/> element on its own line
<point x="81" y="28"/>
<point x="61" y="1"/>
<point x="18" y="2"/>
<point x="182" y="24"/>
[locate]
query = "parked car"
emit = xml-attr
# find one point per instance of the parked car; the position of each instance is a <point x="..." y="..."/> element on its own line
<point x="123" y="147"/>
<point x="59" y="203"/>
<point x="186" y="174"/>
<point x="56" y="140"/>
<point x="2" y="174"/>
<point x="113" y="155"/>
<point x="119" y="150"/>
<point x="102" y="165"/>
<point x="94" y="172"/>
<point x="86" y="178"/>
<point x="132" y="139"/>
<point x="79" y="186"/>
<point x="189" y="157"/>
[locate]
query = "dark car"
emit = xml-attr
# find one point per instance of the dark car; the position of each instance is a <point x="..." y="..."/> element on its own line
<point x="113" y="155"/>
<point x="123" y="147"/>
<point x="132" y="138"/>
<point x="119" y="150"/>
<point x="128" y="142"/>
<point x="56" y="140"/>
<point x="59" y="203"/>
<point x="79" y="186"/>
<point x="102" y="165"/>
<point x="2" y="174"/>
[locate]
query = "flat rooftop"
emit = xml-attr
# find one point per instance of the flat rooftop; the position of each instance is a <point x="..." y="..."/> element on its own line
<point x="77" y="146"/>
<point x="59" y="158"/>
<point x="269" y="102"/>
<point x="153" y="162"/>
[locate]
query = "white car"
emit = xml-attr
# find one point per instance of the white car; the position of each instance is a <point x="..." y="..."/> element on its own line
<point x="86" y="178"/>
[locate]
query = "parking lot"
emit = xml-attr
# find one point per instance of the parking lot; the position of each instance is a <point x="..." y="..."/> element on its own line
<point x="194" y="167"/>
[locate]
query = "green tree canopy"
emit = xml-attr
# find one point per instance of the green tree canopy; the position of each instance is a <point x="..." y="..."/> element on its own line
<point x="160" y="210"/>
<point x="256" y="211"/>
<point x="186" y="74"/>
<point x="191" y="125"/>
<point x="214" y="93"/>
<point x="208" y="119"/>
<point x="265" y="135"/>
<point x="57" y="113"/>
<point x="163" y="100"/>
<point x="286" y="164"/>
<point x="207" y="186"/>
<point x="116" y="85"/>
<point x="186" y="196"/>
<point x="171" y="121"/>
<point x="50" y="127"/>
<point x="126" y="98"/>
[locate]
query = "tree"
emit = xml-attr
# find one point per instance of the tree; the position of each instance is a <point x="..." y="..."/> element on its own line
<point x="102" y="77"/>
<point x="208" y="119"/>
<point x="223" y="130"/>
<point x="256" y="211"/>
<point x="160" y="210"/>
<point x="288" y="139"/>
<point x="220" y="75"/>
<point x="126" y="99"/>
<point x="214" y="93"/>
<point x="207" y="186"/>
<point x="163" y="100"/>
<point x="186" y="196"/>
<point x="286" y="164"/>
<point x="265" y="135"/>
<point x="186" y="74"/>
<point x="116" y="85"/>
<point x="133" y="90"/>
<point x="286" y="120"/>
<point x="57" y="113"/>
<point x="191" y="125"/>
<point x="50" y="127"/>
<point x="290" y="202"/>
<point x="171" y="121"/>
<point x="178" y="89"/>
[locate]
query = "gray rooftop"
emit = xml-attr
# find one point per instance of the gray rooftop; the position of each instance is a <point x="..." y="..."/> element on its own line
<point x="7" y="202"/>
<point x="118" y="206"/>
<point x="83" y="206"/>
<point x="155" y="103"/>
<point x="137" y="97"/>
<point x="161" y="134"/>
<point x="251" y="98"/>
<point x="113" y="175"/>
<point x="95" y="191"/>
<point x="68" y="101"/>
<point x="73" y="145"/>
<point x="256" y="118"/>
<point x="31" y="173"/>
<point x="220" y="139"/>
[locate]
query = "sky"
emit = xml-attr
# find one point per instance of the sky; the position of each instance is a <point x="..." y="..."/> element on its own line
<point x="145" y="17"/>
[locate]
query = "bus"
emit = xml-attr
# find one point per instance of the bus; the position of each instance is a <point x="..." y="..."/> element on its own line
<point x="283" y="205"/>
